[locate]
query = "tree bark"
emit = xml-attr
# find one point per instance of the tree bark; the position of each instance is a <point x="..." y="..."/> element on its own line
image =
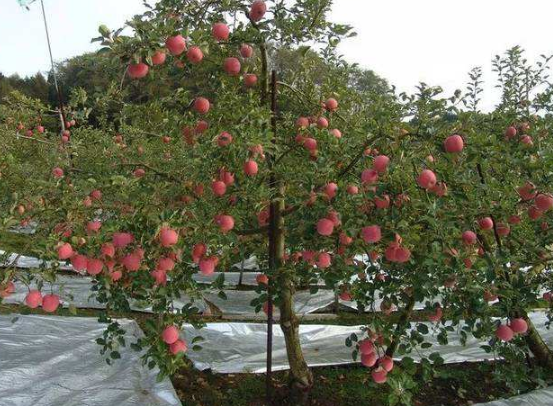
<point x="404" y="318"/>
<point x="300" y="377"/>
<point x="538" y="347"/>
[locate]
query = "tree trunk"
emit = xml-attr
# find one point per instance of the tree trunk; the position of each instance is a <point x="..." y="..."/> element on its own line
<point x="301" y="378"/>
<point x="539" y="348"/>
<point x="404" y="318"/>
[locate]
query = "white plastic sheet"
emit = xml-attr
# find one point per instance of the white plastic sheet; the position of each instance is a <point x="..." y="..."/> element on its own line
<point x="75" y="290"/>
<point x="238" y="301"/>
<point x="241" y="347"/>
<point x="541" y="397"/>
<point x="25" y="262"/>
<point x="49" y="360"/>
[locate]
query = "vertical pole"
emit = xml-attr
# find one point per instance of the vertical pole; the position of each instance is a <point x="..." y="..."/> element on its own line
<point x="56" y="85"/>
<point x="272" y="246"/>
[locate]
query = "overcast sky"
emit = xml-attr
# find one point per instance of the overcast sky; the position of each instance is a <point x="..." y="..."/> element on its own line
<point x="404" y="41"/>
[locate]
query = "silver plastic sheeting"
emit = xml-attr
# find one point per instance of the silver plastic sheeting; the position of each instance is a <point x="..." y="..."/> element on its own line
<point x="378" y="301"/>
<point x="541" y="397"/>
<point x="241" y="347"/>
<point x="231" y="278"/>
<point x="49" y="361"/>
<point x="25" y="262"/>
<point x="75" y="290"/>
<point x="238" y="302"/>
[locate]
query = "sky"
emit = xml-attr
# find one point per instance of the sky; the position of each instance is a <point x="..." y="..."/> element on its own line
<point x="404" y="41"/>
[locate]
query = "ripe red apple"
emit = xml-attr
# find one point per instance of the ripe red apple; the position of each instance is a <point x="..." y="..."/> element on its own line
<point x="94" y="266"/>
<point x="57" y="172"/>
<point x="93" y="226"/>
<point x="201" y="105"/>
<point x="302" y="122"/>
<point x="258" y="10"/>
<point x="79" y="262"/>
<point x="345" y="296"/>
<point x="379" y="375"/>
<point x="139" y="173"/>
<point x="322" y="122"/>
<point x="176" y="44"/>
<point x="325" y="227"/>
<point x="158" y="58"/>
<point x="225" y="222"/>
<point x="132" y="261"/>
<point x="310" y="143"/>
<point x="330" y="190"/>
<point x="246" y="51"/>
<point x="527" y="140"/>
<point x="195" y="55"/>
<point x="50" y="303"/>
<point x="65" y="251"/>
<point x="168" y="237"/>
<point x="7" y="289"/>
<point x="160" y="277"/>
<point x="250" y="168"/>
<point x="396" y="253"/>
<point x="96" y="194"/>
<point x="121" y="240"/>
<point x="331" y="104"/>
<point x="336" y="133"/>
<point x="454" y="144"/>
<point x="224" y="139"/>
<point x="504" y="333"/>
<point x="503" y="230"/>
<point x="528" y="191"/>
<point x="250" y="80"/>
<point x="207" y="266"/>
<point x="369" y="176"/>
<point x="427" y="179"/>
<point x="262" y="279"/>
<point x="178" y="347"/>
<point x="486" y="223"/>
<point x="380" y="163"/>
<point x="510" y="132"/>
<point x="107" y="250"/>
<point x="371" y="234"/>
<point x="201" y="127"/>
<point x="198" y="251"/>
<point x="323" y="260"/>
<point x="137" y="70"/>
<point x="40" y="129"/>
<point x="369" y="359"/>
<point x="469" y="237"/>
<point x="382" y="202"/>
<point x="387" y="363"/>
<point x="226" y="177"/>
<point x="220" y="31"/>
<point x="519" y="326"/>
<point x="437" y="316"/>
<point x="544" y="202"/>
<point x="352" y="189"/>
<point x="366" y="346"/>
<point x="232" y="66"/>
<point x="345" y="239"/>
<point x="514" y="219"/>
<point x="33" y="299"/>
<point x="170" y="334"/>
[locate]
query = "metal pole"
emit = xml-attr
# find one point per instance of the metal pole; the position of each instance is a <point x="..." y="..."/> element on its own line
<point x="272" y="249"/>
<point x="60" y="102"/>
